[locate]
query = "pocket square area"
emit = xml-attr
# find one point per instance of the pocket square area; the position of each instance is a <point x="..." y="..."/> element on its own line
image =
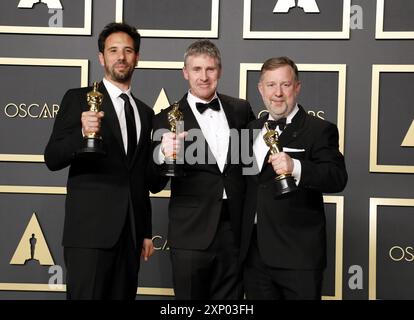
<point x="285" y="149"/>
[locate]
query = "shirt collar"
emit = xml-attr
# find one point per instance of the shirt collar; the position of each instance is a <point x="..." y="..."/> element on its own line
<point x="192" y="99"/>
<point x="290" y="116"/>
<point x="114" y="91"/>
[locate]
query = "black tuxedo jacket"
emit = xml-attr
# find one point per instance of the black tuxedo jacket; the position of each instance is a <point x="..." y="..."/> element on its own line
<point x="100" y="192"/>
<point x="196" y="198"/>
<point x="291" y="229"/>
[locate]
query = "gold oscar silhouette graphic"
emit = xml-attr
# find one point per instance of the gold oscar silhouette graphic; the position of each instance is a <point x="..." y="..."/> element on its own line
<point x="285" y="183"/>
<point x="32" y="247"/>
<point x="409" y="137"/>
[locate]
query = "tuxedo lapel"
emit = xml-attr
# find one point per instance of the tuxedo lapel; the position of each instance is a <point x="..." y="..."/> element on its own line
<point x="293" y="130"/>
<point x="190" y="122"/>
<point x="228" y="111"/>
<point x="264" y="164"/>
<point x="230" y="116"/>
<point x="144" y="128"/>
<point x="255" y="130"/>
<point x="290" y="133"/>
<point x="110" y="118"/>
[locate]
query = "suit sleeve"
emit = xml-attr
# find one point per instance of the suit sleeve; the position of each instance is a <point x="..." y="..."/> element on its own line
<point x="325" y="169"/>
<point x="66" y="135"/>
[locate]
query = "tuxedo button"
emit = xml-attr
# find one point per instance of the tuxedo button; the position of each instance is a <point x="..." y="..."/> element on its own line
<point x="263" y="186"/>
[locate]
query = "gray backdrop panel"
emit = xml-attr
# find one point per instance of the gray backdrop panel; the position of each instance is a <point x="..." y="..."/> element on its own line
<point x="359" y="53"/>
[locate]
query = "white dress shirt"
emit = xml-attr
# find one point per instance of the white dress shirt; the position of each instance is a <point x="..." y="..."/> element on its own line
<point x="215" y="129"/>
<point x="114" y="92"/>
<point x="260" y="149"/>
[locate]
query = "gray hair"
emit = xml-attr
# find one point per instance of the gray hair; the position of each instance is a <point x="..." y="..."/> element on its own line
<point x="203" y="47"/>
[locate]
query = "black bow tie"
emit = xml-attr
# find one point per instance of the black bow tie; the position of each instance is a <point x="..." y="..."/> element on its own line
<point x="274" y="123"/>
<point x="213" y="104"/>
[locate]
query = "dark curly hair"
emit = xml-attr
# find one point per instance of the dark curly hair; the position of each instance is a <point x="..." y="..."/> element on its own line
<point x="119" y="27"/>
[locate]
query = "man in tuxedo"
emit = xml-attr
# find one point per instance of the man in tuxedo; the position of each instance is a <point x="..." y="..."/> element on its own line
<point x="283" y="244"/>
<point x="108" y="210"/>
<point x="205" y="206"/>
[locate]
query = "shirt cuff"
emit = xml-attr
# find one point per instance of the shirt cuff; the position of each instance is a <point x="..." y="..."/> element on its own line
<point x="161" y="157"/>
<point x="297" y="170"/>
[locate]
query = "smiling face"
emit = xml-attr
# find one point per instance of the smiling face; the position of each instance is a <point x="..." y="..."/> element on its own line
<point x="279" y="90"/>
<point x="119" y="58"/>
<point x="202" y="73"/>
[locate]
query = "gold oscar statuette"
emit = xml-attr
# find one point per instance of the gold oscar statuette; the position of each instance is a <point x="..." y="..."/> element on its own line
<point x="284" y="182"/>
<point x="175" y="119"/>
<point x="92" y="144"/>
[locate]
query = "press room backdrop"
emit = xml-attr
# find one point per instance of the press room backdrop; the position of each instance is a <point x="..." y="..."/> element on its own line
<point x="356" y="63"/>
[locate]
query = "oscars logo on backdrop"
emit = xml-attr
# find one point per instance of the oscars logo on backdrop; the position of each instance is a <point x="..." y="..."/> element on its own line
<point x="398" y="253"/>
<point x="31" y="110"/>
<point x="318" y="114"/>
<point x="32" y="246"/>
<point x="51" y="4"/>
<point x="160" y="243"/>
<point x="409" y="137"/>
<point x="283" y="6"/>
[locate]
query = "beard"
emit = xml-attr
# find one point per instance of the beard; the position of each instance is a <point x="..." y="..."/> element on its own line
<point x="120" y="76"/>
<point x="282" y="111"/>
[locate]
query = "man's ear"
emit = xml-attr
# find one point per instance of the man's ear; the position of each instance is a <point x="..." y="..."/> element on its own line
<point x="136" y="60"/>
<point x="185" y="73"/>
<point x="101" y="59"/>
<point x="298" y="86"/>
<point x="259" y="87"/>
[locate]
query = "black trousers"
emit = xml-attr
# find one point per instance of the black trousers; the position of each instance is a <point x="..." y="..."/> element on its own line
<point x="103" y="274"/>
<point x="262" y="282"/>
<point x="211" y="274"/>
